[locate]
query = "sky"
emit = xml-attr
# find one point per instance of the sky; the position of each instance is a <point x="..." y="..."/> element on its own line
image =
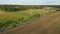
<point x="30" y="2"/>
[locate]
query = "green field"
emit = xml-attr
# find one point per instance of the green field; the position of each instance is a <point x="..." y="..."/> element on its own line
<point x="11" y="19"/>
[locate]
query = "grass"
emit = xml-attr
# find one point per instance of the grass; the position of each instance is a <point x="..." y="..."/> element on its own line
<point x="11" y="19"/>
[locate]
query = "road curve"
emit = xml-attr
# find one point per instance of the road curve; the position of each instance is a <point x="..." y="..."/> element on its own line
<point x="47" y="25"/>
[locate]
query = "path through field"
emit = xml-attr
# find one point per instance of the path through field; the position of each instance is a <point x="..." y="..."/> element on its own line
<point x="47" y="25"/>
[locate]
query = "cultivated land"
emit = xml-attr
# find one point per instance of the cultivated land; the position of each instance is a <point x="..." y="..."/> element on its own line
<point x="46" y="25"/>
<point x="13" y="19"/>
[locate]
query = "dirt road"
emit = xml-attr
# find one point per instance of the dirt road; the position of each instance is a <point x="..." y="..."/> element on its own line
<point x="47" y="25"/>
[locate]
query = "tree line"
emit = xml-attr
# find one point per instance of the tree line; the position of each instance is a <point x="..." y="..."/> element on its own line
<point x="17" y="7"/>
<point x="24" y="7"/>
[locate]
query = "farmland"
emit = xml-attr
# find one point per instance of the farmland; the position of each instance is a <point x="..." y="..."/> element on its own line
<point x="13" y="16"/>
<point x="11" y="19"/>
<point x="47" y="25"/>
